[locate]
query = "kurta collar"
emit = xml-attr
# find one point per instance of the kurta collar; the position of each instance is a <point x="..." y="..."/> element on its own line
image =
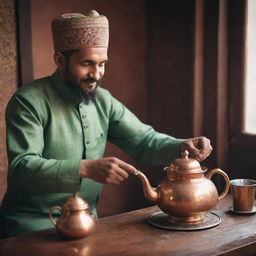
<point x="63" y="89"/>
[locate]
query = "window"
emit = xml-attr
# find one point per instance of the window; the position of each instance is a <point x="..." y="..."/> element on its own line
<point x="249" y="124"/>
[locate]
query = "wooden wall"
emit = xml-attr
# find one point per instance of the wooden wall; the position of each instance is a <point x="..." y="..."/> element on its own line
<point x="170" y="65"/>
<point x="8" y="76"/>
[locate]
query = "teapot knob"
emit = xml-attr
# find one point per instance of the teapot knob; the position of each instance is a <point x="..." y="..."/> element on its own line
<point x="185" y="154"/>
<point x="75" y="194"/>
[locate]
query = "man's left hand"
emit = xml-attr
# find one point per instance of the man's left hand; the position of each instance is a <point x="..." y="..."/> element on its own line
<point x="199" y="148"/>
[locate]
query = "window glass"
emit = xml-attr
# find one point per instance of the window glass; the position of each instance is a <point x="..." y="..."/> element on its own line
<point x="250" y="70"/>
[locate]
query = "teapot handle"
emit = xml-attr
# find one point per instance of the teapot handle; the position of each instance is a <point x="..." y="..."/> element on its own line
<point x="50" y="214"/>
<point x="226" y="178"/>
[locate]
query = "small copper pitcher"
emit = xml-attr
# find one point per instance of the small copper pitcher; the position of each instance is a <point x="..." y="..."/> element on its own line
<point x="75" y="220"/>
<point x="187" y="193"/>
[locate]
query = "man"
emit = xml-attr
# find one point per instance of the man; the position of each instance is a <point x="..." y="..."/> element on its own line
<point x="57" y="128"/>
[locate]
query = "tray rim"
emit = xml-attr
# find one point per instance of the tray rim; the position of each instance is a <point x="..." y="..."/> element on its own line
<point x="183" y="227"/>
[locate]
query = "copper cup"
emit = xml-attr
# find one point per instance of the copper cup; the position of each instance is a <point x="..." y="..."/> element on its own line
<point x="243" y="192"/>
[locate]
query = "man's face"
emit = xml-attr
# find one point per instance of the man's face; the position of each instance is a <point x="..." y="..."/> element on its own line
<point x="85" y="69"/>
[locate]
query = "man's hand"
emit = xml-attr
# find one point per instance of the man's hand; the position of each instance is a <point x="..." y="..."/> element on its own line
<point x="199" y="148"/>
<point x="106" y="170"/>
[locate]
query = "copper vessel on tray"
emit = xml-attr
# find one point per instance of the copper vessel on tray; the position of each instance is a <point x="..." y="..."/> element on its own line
<point x="75" y="220"/>
<point x="187" y="193"/>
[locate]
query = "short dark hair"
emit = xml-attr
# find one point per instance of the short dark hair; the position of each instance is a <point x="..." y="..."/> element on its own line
<point x="68" y="54"/>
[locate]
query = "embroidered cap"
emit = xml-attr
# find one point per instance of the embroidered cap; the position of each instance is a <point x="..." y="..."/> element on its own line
<point x="74" y="31"/>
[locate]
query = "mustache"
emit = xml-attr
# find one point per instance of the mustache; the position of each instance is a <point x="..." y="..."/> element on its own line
<point x="89" y="80"/>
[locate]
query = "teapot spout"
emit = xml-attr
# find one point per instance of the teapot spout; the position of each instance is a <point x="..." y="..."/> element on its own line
<point x="149" y="192"/>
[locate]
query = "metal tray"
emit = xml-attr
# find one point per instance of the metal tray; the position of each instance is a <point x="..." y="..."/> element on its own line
<point x="160" y="220"/>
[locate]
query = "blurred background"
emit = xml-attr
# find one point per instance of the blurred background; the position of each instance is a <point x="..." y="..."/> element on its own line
<point x="181" y="66"/>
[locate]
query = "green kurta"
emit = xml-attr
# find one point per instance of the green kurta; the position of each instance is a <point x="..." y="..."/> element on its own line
<point x="49" y="132"/>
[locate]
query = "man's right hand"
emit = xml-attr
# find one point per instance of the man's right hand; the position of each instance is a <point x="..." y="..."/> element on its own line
<point x="106" y="170"/>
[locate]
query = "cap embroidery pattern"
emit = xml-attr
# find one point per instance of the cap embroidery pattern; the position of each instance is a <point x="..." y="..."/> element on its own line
<point x="73" y="31"/>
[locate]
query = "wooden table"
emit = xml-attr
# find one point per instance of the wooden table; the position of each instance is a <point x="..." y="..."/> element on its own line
<point x="129" y="234"/>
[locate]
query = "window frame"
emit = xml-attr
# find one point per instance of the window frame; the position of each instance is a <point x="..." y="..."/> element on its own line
<point x="237" y="37"/>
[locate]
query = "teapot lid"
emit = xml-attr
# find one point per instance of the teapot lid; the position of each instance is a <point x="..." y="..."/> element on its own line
<point x="75" y="202"/>
<point x="184" y="165"/>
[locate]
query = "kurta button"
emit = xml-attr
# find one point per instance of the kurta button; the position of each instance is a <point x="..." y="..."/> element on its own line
<point x="85" y="126"/>
<point x="88" y="142"/>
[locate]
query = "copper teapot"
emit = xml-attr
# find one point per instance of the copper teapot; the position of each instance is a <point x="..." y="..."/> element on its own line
<point x="187" y="193"/>
<point x="75" y="220"/>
